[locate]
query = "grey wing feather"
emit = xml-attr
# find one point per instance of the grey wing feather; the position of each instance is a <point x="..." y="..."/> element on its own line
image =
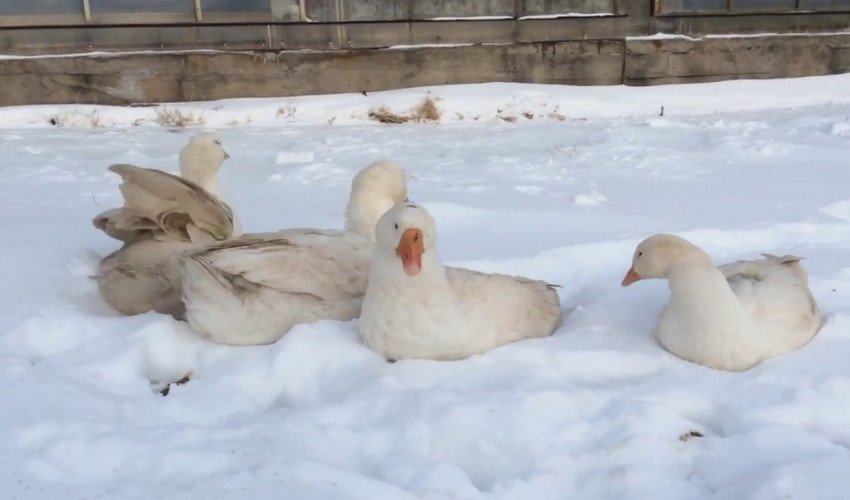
<point x="323" y="264"/>
<point x="157" y="203"/>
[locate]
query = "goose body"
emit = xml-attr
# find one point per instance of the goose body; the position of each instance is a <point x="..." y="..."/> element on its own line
<point x="730" y="317"/>
<point x="253" y="289"/>
<point x="163" y="215"/>
<point x="416" y="308"/>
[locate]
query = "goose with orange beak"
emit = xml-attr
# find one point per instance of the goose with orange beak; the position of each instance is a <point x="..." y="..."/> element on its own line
<point x="416" y="308"/>
<point x="730" y="317"/>
<point x="410" y="249"/>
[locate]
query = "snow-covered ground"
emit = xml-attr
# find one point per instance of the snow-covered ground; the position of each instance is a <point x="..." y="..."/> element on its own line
<point x="598" y="410"/>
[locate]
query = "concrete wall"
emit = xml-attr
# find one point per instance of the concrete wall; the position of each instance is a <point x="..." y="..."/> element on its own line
<point x="266" y="59"/>
<point x="139" y="78"/>
<point x="653" y="62"/>
<point x="196" y="76"/>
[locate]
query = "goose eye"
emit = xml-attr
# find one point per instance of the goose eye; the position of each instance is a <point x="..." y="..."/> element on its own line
<point x="640" y="254"/>
<point x="396" y="226"/>
<point x="218" y="142"/>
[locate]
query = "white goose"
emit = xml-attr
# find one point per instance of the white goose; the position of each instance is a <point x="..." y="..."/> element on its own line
<point x="252" y="290"/>
<point x="416" y="308"/>
<point x="730" y="317"/>
<point x="163" y="215"/>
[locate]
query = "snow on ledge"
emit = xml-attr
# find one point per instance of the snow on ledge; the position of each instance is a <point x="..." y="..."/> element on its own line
<point x="506" y="104"/>
<point x="470" y="18"/>
<point x="429" y="46"/>
<point x="673" y="36"/>
<point x="566" y="15"/>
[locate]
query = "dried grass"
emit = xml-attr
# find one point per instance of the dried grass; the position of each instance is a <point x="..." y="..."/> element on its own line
<point x="173" y="117"/>
<point x="384" y="115"/>
<point x="425" y="112"/>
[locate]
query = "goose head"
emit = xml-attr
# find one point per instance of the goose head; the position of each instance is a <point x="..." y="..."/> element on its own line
<point x="658" y="255"/>
<point x="201" y="159"/>
<point x="406" y="232"/>
<point x="374" y="190"/>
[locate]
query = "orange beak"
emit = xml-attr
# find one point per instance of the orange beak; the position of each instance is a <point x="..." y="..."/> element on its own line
<point x="410" y="248"/>
<point x="630" y="277"/>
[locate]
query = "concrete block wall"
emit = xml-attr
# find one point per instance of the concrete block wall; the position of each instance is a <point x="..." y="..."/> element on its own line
<point x="505" y="40"/>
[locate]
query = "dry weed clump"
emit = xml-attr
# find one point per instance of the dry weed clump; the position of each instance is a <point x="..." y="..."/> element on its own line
<point x="384" y="115"/>
<point x="425" y="112"/>
<point x="173" y="117"/>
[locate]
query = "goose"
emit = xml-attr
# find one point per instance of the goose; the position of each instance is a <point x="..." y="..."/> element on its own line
<point x="163" y="215"/>
<point x="730" y="317"/>
<point x="253" y="289"/>
<point x="416" y="308"/>
<point x="156" y="202"/>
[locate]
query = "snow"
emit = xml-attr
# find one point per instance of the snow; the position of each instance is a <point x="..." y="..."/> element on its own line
<point x="470" y="18"/>
<point x="669" y="36"/>
<point x="598" y="410"/>
<point x="563" y="15"/>
<point x="458" y="104"/>
<point x="121" y="53"/>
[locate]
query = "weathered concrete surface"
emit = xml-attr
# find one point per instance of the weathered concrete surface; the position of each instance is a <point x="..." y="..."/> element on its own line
<point x="141" y="78"/>
<point x="200" y="76"/>
<point x="313" y="36"/>
<point x="652" y="62"/>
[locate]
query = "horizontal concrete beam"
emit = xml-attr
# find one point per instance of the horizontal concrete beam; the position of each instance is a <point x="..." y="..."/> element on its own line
<point x="298" y="36"/>
<point x="143" y="78"/>
<point x="192" y="76"/>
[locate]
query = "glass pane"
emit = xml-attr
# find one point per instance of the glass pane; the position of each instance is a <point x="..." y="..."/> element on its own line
<point x="357" y="10"/>
<point x="763" y="5"/>
<point x="463" y="8"/>
<point x="237" y="5"/>
<point x="374" y="10"/>
<point x="34" y="7"/>
<point x="562" y="7"/>
<point x="321" y="10"/>
<point x="824" y="5"/>
<point x="136" y="6"/>
<point x="692" y="6"/>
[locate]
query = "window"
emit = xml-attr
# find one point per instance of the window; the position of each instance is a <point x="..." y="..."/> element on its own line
<point x="727" y="7"/>
<point x="567" y="8"/>
<point x="40" y="7"/>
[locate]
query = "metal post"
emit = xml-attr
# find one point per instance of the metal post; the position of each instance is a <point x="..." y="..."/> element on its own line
<point x="199" y="15"/>
<point x="86" y="10"/>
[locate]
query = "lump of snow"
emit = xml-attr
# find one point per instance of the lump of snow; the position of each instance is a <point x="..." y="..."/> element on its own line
<point x="294" y="157"/>
<point x="587" y="199"/>
<point x="841" y="129"/>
